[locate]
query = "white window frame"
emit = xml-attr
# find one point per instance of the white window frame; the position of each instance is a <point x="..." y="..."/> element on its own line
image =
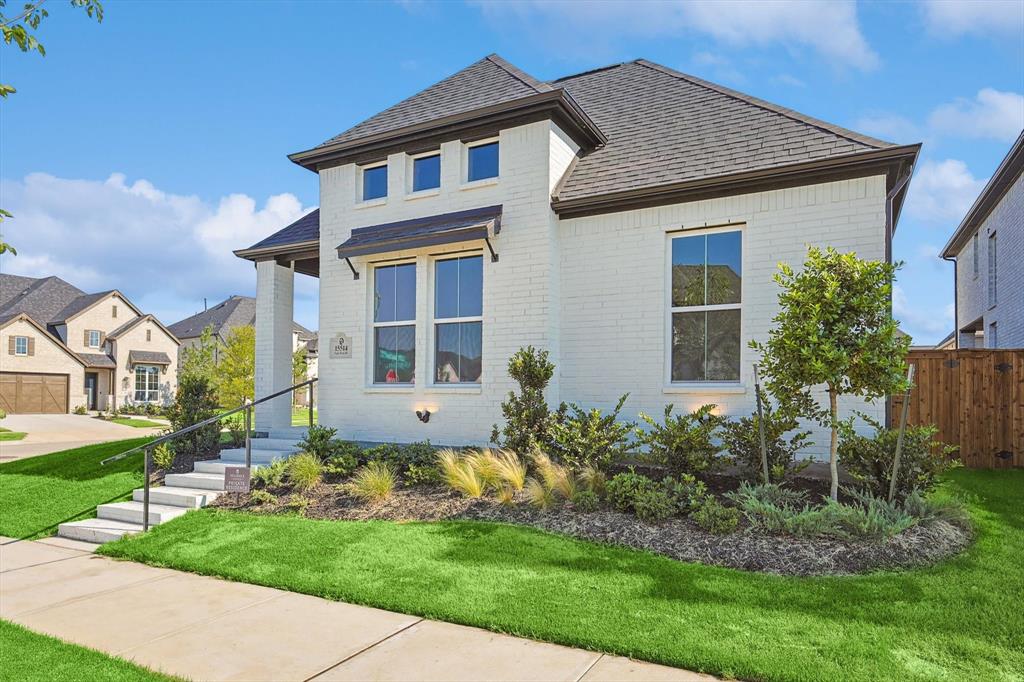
<point x="374" y="325"/>
<point x="154" y="390"/>
<point x="19" y="342"/>
<point x="466" y="182"/>
<point x="98" y="337"/>
<point x="993" y="274"/>
<point x="433" y="321"/>
<point x="360" y="171"/>
<point x="672" y="386"/>
<point x="410" y="174"/>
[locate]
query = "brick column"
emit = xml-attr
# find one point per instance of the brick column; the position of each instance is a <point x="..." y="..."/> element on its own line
<point x="274" y="314"/>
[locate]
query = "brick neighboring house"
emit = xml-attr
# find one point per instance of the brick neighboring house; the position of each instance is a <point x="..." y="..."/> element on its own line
<point x="61" y="348"/>
<point x="493" y="211"/>
<point x="988" y="253"/>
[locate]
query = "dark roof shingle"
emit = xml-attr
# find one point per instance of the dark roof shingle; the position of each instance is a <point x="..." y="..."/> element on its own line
<point x="43" y="299"/>
<point x="234" y="311"/>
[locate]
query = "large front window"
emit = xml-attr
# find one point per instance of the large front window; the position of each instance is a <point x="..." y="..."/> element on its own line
<point x="394" y="324"/>
<point x="458" y="320"/>
<point x="147" y="383"/>
<point x="704" y="310"/>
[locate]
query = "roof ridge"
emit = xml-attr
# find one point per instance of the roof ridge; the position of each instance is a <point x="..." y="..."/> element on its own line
<point x="517" y="73"/>
<point x="590" y="71"/>
<point x="846" y="133"/>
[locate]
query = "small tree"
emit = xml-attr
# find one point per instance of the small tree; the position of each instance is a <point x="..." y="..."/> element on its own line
<point x="835" y="328"/>
<point x="200" y="360"/>
<point x="236" y="371"/>
<point x="527" y="417"/>
<point x="300" y="365"/>
<point x="194" y="402"/>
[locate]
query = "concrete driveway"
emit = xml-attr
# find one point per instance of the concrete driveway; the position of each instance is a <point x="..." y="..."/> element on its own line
<point x="53" y="432"/>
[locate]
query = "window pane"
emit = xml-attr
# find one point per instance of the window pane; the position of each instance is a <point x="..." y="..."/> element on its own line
<point x="723" y="330"/>
<point x="394" y="289"/>
<point x="446" y="288"/>
<point x="405" y="291"/>
<point x="688" y="271"/>
<point x="375" y="182"/>
<point x="458" y="357"/>
<point x="688" y="346"/>
<point x="426" y="172"/>
<point x="483" y="161"/>
<point x="394" y="350"/>
<point x="724" y="268"/>
<point x="471" y="286"/>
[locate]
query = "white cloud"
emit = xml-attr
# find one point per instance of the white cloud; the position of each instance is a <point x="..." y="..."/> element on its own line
<point x="991" y="114"/>
<point x="165" y="251"/>
<point x="952" y="18"/>
<point x="942" y="192"/>
<point x="922" y="323"/>
<point x="830" y="28"/>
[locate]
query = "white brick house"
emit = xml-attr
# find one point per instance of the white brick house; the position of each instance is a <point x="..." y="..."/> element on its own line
<point x="494" y="211"/>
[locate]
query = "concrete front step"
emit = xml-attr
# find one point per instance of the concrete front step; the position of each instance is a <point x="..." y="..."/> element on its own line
<point x="275" y="444"/>
<point x="237" y="455"/>
<point x="195" y="480"/>
<point x="217" y="466"/>
<point x="97" y="531"/>
<point x="131" y="512"/>
<point x="188" y="498"/>
<point x="288" y="433"/>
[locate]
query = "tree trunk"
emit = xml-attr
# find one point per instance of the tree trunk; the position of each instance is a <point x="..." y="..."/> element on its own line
<point x="833" y="455"/>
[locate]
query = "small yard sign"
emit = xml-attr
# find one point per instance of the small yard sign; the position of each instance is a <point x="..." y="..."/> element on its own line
<point x="236" y="479"/>
<point x="341" y="346"/>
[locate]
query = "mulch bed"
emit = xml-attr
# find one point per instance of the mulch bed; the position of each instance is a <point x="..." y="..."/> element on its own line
<point x="747" y="549"/>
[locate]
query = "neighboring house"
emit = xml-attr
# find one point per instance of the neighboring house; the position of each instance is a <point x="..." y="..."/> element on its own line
<point x="493" y="211"/>
<point x="988" y="253"/>
<point x="63" y="349"/>
<point x="233" y="312"/>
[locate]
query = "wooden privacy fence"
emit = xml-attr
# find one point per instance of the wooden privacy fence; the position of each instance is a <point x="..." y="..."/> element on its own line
<point x="975" y="398"/>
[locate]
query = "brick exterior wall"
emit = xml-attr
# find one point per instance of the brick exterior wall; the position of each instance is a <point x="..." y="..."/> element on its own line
<point x="49" y="358"/>
<point x="135" y="339"/>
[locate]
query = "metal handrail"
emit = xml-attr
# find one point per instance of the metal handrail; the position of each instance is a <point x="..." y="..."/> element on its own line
<point x="148" y="448"/>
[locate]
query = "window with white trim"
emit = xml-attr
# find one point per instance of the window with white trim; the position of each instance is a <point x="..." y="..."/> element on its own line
<point x="21" y="345"/>
<point x="992" y="275"/>
<point x="394" y="324"/>
<point x="147" y="383"/>
<point x="704" y="308"/>
<point x="375" y="182"/>
<point x="458" y="320"/>
<point x="94" y="338"/>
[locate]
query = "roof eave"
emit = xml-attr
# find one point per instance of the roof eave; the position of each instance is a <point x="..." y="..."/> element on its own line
<point x="269" y="252"/>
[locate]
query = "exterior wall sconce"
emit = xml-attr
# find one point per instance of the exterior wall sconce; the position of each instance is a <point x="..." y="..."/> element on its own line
<point x="423" y="415"/>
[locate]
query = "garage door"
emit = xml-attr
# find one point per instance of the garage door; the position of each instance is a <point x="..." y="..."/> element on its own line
<point x="34" y="393"/>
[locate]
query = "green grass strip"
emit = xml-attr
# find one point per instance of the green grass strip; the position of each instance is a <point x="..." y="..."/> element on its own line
<point x="960" y="620"/>
<point x="136" y="423"/>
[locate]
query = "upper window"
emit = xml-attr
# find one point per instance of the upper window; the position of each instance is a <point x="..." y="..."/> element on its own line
<point x="975" y="255"/>
<point x="482" y="162"/>
<point x="147" y="383"/>
<point x="94" y="338"/>
<point x="706" y="278"/>
<point x="113" y="311"/>
<point x="394" y="324"/>
<point x="21" y="345"/>
<point x="375" y="182"/>
<point x="149" y="335"/>
<point x="458" y="320"/>
<point x="992" y="275"/>
<point x="426" y="172"/>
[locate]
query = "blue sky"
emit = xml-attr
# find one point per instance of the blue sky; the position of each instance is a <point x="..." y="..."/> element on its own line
<point x="167" y="125"/>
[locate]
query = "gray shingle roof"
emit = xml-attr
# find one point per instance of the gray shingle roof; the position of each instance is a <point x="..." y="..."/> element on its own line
<point x="78" y="305"/>
<point x="666" y="127"/>
<point x="489" y="81"/>
<point x="306" y="228"/>
<point x="43" y="299"/>
<point x="101" y="360"/>
<point x="234" y="311"/>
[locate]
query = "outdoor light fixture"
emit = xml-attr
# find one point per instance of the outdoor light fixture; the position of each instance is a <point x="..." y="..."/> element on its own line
<point x="423" y="415"/>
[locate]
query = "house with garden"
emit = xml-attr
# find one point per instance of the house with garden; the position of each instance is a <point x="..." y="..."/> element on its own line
<point x="627" y="220"/>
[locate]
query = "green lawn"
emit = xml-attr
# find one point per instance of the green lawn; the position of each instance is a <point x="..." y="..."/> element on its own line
<point x="7" y="434"/>
<point x="29" y="656"/>
<point x="38" y="493"/>
<point x="137" y="423"/>
<point x="960" y="620"/>
<point x="300" y="416"/>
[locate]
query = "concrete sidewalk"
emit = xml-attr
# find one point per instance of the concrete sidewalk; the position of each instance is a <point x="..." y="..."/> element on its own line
<point x="203" y="628"/>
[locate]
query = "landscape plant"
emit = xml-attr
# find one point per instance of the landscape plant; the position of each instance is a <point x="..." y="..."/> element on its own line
<point x="685" y="492"/>
<point x="319" y="441"/>
<point x="163" y="457"/>
<point x="373" y="482"/>
<point x="194" y="402"/>
<point x="715" y="517"/>
<point x="741" y="438"/>
<point x="585" y="501"/>
<point x="834" y="328"/>
<point x="527" y="416"/>
<point x="235" y="371"/>
<point x="624" y="488"/>
<point x="653" y="505"/>
<point x="683" y="442"/>
<point x="458" y="473"/>
<point x="557" y="478"/>
<point x="588" y="437"/>
<point x="270" y="475"/>
<point x="304" y="471"/>
<point x="198" y="360"/>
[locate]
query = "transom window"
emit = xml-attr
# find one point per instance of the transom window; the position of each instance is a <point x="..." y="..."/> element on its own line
<point x="21" y="345"/>
<point x="482" y="161"/>
<point x="974" y="253"/>
<point x="458" y="320"/>
<point x="94" y="338"/>
<point x="704" y="310"/>
<point x="375" y="182"/>
<point x="992" y="274"/>
<point x="426" y="172"/>
<point x="147" y="383"/>
<point x="394" y="324"/>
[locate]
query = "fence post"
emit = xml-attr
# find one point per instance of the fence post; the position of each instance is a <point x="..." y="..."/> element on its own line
<point x="760" y="425"/>
<point x="899" y="439"/>
<point x="145" y="489"/>
<point x="248" y="433"/>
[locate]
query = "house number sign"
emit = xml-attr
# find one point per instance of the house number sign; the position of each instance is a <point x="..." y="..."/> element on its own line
<point x="341" y="346"/>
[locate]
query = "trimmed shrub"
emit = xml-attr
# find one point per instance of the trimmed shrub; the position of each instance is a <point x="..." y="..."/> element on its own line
<point x="715" y="517"/>
<point x="271" y="475"/>
<point x="624" y="488"/>
<point x="319" y="442"/>
<point x="685" y="492"/>
<point x="589" y="438"/>
<point x="374" y="482"/>
<point x="194" y="402"/>
<point x="868" y="459"/>
<point x="684" y="443"/>
<point x="79" y="410"/>
<point x="340" y="463"/>
<point x="421" y="474"/>
<point x="527" y="416"/>
<point x="585" y="501"/>
<point x="742" y="440"/>
<point x="653" y="505"/>
<point x="304" y="471"/>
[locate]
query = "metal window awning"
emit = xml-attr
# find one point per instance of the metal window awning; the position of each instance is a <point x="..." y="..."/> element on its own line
<point x="446" y="228"/>
<point x="145" y="357"/>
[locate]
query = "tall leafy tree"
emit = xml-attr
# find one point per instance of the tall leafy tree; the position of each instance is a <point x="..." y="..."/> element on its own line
<point x="835" y="328"/>
<point x="236" y="371"/>
<point x="200" y="360"/>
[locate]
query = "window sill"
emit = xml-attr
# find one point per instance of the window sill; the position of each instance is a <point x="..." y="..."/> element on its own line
<point x="370" y="203"/>
<point x="486" y="182"/>
<point x="389" y="389"/>
<point x="471" y="389"/>
<point x="706" y="388"/>
<point x="423" y="194"/>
